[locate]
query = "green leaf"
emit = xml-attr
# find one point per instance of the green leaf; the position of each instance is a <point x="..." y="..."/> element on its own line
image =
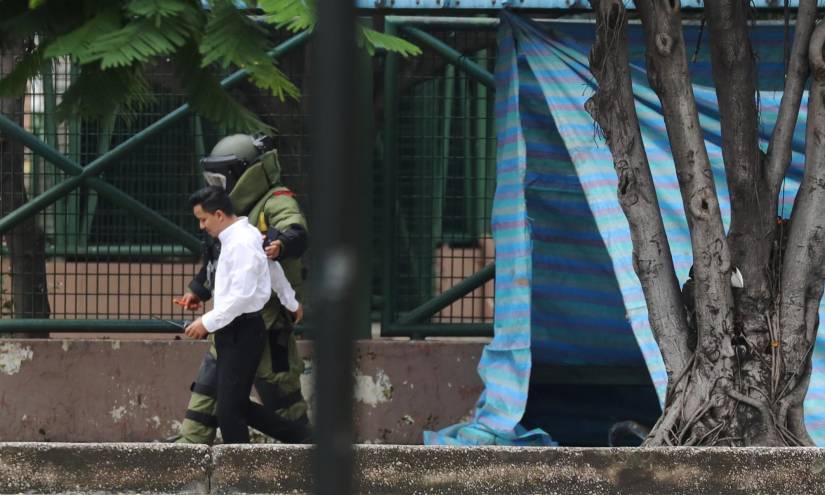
<point x="97" y="92"/>
<point x="159" y="8"/>
<point x="233" y="39"/>
<point x="293" y="15"/>
<point x="140" y="41"/>
<point x="268" y="76"/>
<point x="159" y="29"/>
<point x="33" y="4"/>
<point x="77" y="42"/>
<point x="371" y="40"/>
<point x="209" y="99"/>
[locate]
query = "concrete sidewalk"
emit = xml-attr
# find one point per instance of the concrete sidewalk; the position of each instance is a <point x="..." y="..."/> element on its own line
<point x="393" y="469"/>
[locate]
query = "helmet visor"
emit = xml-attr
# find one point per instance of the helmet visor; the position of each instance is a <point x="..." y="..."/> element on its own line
<point x="223" y="171"/>
<point x="214" y="179"/>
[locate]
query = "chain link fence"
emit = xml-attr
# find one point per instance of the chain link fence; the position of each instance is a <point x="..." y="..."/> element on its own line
<point x="86" y="257"/>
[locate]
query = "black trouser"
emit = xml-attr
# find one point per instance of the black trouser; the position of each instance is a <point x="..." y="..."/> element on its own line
<point x="239" y="346"/>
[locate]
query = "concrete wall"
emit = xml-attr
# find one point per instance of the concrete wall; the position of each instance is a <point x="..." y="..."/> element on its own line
<point x="136" y="391"/>
<point x="282" y="469"/>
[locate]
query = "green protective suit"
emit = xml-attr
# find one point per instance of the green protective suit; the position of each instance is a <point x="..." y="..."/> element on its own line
<point x="260" y="195"/>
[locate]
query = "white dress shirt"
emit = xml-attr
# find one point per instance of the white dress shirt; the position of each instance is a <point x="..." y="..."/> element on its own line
<point x="242" y="278"/>
<point x="283" y="289"/>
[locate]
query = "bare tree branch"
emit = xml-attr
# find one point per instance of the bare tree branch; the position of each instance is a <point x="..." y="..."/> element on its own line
<point x="734" y="73"/>
<point x="779" y="149"/>
<point x="803" y="273"/>
<point x="612" y="107"/>
<point x="669" y="77"/>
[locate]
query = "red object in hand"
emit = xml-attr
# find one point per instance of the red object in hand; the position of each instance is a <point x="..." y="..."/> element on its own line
<point x="191" y="306"/>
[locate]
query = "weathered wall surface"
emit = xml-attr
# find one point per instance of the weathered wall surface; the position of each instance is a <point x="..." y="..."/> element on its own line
<point x="392" y="469"/>
<point x="136" y="391"/>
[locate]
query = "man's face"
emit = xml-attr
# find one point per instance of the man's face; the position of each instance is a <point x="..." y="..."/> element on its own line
<point x="209" y="222"/>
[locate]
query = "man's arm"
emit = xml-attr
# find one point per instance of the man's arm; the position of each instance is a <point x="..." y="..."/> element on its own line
<point x="287" y="235"/>
<point x="290" y="243"/>
<point x="282" y="287"/>
<point x="201" y="285"/>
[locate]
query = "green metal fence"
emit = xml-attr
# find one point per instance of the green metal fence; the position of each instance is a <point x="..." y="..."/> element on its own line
<point x="109" y="198"/>
<point x="440" y="163"/>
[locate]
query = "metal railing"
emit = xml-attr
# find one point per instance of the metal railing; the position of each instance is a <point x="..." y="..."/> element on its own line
<point x="121" y="243"/>
<point x="439" y="178"/>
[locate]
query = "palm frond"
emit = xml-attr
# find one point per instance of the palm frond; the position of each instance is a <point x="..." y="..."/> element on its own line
<point x="77" y="42"/>
<point x="139" y="41"/>
<point x="233" y="39"/>
<point x="293" y="15"/>
<point x="97" y="92"/>
<point x="370" y="40"/>
<point x="230" y="37"/>
<point x="159" y="29"/>
<point x="299" y="15"/>
<point x="269" y="77"/>
<point x="160" y="8"/>
<point x="209" y="99"/>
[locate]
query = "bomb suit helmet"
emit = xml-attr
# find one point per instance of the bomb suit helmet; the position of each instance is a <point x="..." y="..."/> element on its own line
<point x="229" y="159"/>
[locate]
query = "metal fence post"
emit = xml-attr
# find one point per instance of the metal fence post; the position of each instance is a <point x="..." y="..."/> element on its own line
<point x="390" y="164"/>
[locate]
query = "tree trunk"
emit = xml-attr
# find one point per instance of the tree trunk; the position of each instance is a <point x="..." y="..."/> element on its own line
<point x="738" y="359"/>
<point x="25" y="242"/>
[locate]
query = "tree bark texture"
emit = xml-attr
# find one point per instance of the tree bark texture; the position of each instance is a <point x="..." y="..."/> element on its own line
<point x="738" y="359"/>
<point x="652" y="259"/>
<point x="25" y="243"/>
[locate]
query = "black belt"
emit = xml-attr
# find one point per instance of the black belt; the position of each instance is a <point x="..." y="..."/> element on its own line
<point x="246" y="316"/>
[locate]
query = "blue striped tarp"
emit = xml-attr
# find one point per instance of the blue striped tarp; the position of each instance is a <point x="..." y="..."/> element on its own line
<point x="505" y="363"/>
<point x="559" y="228"/>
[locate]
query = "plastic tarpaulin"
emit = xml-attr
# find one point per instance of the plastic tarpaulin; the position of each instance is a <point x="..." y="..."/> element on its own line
<point x="558" y="225"/>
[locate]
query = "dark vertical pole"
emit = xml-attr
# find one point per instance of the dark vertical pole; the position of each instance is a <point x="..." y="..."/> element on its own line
<point x="366" y="156"/>
<point x="337" y="224"/>
<point x="389" y="195"/>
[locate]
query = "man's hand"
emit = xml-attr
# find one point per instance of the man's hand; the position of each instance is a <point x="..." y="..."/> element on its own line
<point x="188" y="301"/>
<point x="196" y="330"/>
<point x="298" y="315"/>
<point x="274" y="249"/>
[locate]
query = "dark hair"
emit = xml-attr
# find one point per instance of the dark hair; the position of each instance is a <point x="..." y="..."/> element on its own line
<point x="212" y="199"/>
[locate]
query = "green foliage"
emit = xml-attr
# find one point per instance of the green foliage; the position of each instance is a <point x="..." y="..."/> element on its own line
<point x="114" y="41"/>
<point x="77" y="43"/>
<point x="299" y="15"/>
<point x="293" y="15"/>
<point x="208" y="99"/>
<point x="154" y="29"/>
<point x="371" y="40"/>
<point x="97" y="92"/>
<point x="232" y="39"/>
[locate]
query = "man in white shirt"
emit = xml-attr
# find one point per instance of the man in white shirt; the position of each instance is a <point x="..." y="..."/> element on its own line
<point x="242" y="285"/>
